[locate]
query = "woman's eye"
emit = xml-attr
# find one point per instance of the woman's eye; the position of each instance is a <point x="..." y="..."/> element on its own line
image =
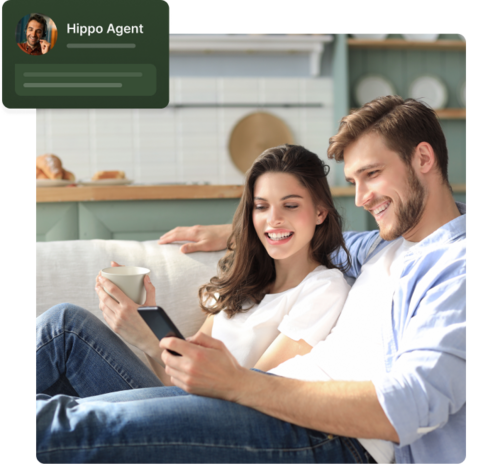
<point x="258" y="207"/>
<point x="291" y="206"/>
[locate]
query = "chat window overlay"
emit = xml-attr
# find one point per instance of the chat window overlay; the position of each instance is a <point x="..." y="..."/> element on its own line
<point x="92" y="54"/>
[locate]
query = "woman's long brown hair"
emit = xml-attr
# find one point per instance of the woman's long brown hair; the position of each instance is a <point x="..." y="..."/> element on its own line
<point x="246" y="270"/>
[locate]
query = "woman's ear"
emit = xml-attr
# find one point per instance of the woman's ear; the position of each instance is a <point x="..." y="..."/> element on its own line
<point x="322" y="213"/>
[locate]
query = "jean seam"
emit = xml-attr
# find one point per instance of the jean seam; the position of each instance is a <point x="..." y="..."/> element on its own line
<point x="93" y="348"/>
<point x="353" y="450"/>
<point x="211" y="445"/>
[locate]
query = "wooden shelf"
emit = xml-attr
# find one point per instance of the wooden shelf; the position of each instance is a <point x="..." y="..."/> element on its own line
<point x="161" y="192"/>
<point x="445" y="113"/>
<point x="401" y="44"/>
<point x="451" y="113"/>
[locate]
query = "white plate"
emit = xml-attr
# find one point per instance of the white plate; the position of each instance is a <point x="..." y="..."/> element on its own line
<point x="431" y="90"/>
<point x="421" y="37"/>
<point x="370" y="36"/>
<point x="370" y="87"/>
<point x="464" y="94"/>
<point x="53" y="182"/>
<point x="96" y="183"/>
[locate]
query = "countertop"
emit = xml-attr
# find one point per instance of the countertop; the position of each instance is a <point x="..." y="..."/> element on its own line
<point x="160" y="192"/>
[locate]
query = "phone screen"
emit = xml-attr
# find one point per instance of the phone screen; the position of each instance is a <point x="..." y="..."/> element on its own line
<point x="159" y="322"/>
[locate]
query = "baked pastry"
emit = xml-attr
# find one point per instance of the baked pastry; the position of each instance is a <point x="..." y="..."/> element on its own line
<point x="67" y="175"/>
<point x="50" y="165"/>
<point x="108" y="175"/>
<point x="40" y="174"/>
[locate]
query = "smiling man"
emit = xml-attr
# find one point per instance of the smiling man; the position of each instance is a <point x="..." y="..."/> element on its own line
<point x="386" y="385"/>
<point x="35" y="30"/>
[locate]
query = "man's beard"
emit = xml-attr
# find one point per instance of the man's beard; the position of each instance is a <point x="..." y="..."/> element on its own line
<point x="407" y="214"/>
<point x="33" y="44"/>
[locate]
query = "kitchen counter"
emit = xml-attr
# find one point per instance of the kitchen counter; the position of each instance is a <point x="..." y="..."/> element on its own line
<point x="150" y="192"/>
<point x="145" y="212"/>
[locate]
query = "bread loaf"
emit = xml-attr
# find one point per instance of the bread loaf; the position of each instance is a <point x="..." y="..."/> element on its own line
<point x="108" y="175"/>
<point x="40" y="174"/>
<point x="67" y="175"/>
<point x="50" y="165"/>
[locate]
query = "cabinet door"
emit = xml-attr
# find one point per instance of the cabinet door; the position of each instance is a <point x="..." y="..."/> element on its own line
<point x="56" y="221"/>
<point x="148" y="220"/>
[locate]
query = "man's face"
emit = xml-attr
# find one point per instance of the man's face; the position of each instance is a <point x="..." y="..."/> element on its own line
<point x="34" y="32"/>
<point x="385" y="186"/>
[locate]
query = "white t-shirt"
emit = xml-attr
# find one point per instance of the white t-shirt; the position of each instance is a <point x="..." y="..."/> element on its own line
<point x="354" y="349"/>
<point x="307" y="311"/>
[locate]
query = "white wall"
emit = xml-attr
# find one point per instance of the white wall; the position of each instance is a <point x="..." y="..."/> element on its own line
<point x="184" y="144"/>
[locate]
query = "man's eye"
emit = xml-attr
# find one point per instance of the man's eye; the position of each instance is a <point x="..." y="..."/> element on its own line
<point x="372" y="173"/>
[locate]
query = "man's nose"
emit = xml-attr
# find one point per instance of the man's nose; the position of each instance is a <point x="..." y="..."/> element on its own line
<point x="363" y="194"/>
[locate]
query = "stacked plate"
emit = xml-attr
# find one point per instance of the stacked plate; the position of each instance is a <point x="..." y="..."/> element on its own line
<point x="370" y="36"/>
<point x="429" y="89"/>
<point x="421" y="37"/>
<point x="53" y="182"/>
<point x="371" y="87"/>
<point x="464" y="94"/>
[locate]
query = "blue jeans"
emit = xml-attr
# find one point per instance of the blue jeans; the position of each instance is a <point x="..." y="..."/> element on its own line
<point x="97" y="402"/>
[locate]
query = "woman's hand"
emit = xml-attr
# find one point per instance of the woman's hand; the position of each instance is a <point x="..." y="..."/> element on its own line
<point x="120" y="313"/>
<point x="205" y="367"/>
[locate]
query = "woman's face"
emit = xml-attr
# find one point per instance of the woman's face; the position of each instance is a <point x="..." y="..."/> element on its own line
<point x="284" y="215"/>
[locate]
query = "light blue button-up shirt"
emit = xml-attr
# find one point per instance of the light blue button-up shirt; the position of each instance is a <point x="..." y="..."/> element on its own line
<point x="422" y="391"/>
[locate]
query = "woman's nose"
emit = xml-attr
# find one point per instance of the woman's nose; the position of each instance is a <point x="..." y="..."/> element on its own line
<point x="274" y="218"/>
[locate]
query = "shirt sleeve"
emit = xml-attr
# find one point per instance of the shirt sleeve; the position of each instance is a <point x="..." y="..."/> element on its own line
<point x="317" y="307"/>
<point x="358" y="244"/>
<point x="426" y="384"/>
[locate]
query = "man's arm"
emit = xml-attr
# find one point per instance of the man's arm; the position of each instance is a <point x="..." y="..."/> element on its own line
<point x="203" y="238"/>
<point x="207" y="368"/>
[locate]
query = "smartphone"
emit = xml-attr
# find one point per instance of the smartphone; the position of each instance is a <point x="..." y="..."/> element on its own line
<point x="161" y="325"/>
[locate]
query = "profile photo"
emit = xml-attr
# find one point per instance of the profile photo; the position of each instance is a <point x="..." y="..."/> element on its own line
<point x="36" y="34"/>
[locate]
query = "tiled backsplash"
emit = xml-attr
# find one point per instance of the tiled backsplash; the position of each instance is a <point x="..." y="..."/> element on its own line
<point x="185" y="142"/>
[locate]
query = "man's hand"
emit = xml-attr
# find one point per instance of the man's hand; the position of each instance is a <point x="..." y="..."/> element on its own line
<point x="204" y="238"/>
<point x="120" y="313"/>
<point x="205" y="367"/>
<point x="45" y="46"/>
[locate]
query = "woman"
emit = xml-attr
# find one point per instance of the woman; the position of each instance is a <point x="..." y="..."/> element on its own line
<point x="276" y="295"/>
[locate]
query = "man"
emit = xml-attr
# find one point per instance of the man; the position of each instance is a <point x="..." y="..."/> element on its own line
<point x="391" y="374"/>
<point x="35" y="30"/>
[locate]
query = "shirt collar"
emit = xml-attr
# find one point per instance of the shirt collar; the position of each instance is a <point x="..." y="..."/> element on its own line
<point x="28" y="48"/>
<point x="450" y="232"/>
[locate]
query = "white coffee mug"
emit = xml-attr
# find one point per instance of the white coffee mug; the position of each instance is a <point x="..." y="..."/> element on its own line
<point x="129" y="279"/>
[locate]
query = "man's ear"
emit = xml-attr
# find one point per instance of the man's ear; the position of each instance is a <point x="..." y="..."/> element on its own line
<point x="424" y="157"/>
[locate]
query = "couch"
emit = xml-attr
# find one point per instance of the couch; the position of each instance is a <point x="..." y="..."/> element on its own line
<point x="66" y="272"/>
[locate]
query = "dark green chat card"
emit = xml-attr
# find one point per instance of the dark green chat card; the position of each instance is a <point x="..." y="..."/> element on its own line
<point x="85" y="54"/>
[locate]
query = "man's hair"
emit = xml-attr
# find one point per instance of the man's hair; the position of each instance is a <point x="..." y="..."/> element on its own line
<point x="402" y="123"/>
<point x="246" y="270"/>
<point x="39" y="19"/>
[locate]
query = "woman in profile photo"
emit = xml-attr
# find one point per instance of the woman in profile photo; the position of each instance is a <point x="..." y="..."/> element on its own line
<point x="32" y="33"/>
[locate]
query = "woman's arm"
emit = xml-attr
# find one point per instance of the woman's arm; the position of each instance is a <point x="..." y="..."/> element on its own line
<point x="280" y="350"/>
